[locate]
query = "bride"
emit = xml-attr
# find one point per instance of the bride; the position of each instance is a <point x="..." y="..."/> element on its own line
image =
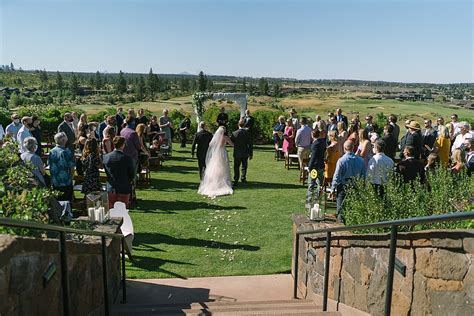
<point x="216" y="180"/>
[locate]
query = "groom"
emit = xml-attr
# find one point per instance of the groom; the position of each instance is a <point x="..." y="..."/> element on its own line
<point x="243" y="150"/>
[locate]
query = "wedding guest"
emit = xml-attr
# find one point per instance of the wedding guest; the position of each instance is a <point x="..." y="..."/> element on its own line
<point x="411" y="167"/>
<point x="348" y="167"/>
<point x="364" y="149"/>
<point x="24" y="132"/>
<point x="432" y="162"/>
<point x="278" y="131"/>
<point x="102" y="127"/>
<point x="249" y="120"/>
<point x="222" y="118"/>
<point x="119" y="117"/>
<point x="442" y="145"/>
<point x="111" y="124"/>
<point x="469" y="148"/>
<point x="429" y="137"/>
<point x="108" y="141"/>
<point x="74" y="122"/>
<point x="184" y="128"/>
<point x="318" y="152"/>
<point x="61" y="164"/>
<point x="82" y="137"/>
<point x="318" y="119"/>
<point x="332" y="126"/>
<point x="153" y="128"/>
<point x="342" y="132"/>
<point x="132" y="142"/>
<point x="392" y="120"/>
<point x="155" y="148"/>
<point x="36" y="133"/>
<point x="90" y="162"/>
<point x="143" y="153"/>
<point x="380" y="168"/>
<point x="370" y="126"/>
<point x="67" y="128"/>
<point x="201" y="140"/>
<point x="457" y="162"/>
<point x="303" y="141"/>
<point x="288" y="138"/>
<point x="82" y="124"/>
<point x="464" y="133"/>
<point x="166" y="125"/>
<point x="294" y="119"/>
<point x="333" y="153"/>
<point x="30" y="156"/>
<point x="389" y="141"/>
<point x="413" y="138"/>
<point x="13" y="128"/>
<point x="354" y="136"/>
<point x="456" y="125"/>
<point x="341" y="118"/>
<point x="141" y="118"/>
<point x="120" y="173"/>
<point x="439" y="122"/>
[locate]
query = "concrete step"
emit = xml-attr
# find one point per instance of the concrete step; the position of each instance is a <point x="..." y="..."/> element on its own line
<point x="249" y="303"/>
<point x="253" y="307"/>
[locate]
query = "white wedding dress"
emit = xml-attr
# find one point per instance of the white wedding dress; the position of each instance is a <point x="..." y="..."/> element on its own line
<point x="216" y="180"/>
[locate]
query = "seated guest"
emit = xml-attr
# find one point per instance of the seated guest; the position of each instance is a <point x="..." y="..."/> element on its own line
<point x="153" y="128"/>
<point x="36" y="133"/>
<point x="432" y="162"/>
<point x="469" y="149"/>
<point x="13" y="128"/>
<point x="108" y="141"/>
<point x="411" y="168"/>
<point x="465" y="133"/>
<point x="442" y="145"/>
<point x="348" y="167"/>
<point x="90" y="164"/>
<point x="30" y="156"/>
<point x="155" y="148"/>
<point x="457" y="163"/>
<point x="289" y="138"/>
<point x="318" y="152"/>
<point x="333" y="153"/>
<point x="390" y="141"/>
<point x="380" y="167"/>
<point x="61" y="165"/>
<point x="120" y="173"/>
<point x="278" y="131"/>
<point x="24" y="132"/>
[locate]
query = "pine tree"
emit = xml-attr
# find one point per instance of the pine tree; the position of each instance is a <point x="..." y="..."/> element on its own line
<point x="152" y="83"/>
<point x="140" y="89"/>
<point x="121" y="84"/>
<point x="184" y="84"/>
<point x="43" y="77"/>
<point x="210" y="84"/>
<point x="74" y="85"/>
<point x="98" y="83"/>
<point x="202" y="82"/>
<point x="244" y="85"/>
<point x="59" y="82"/>
<point x="263" y="86"/>
<point x="276" y="90"/>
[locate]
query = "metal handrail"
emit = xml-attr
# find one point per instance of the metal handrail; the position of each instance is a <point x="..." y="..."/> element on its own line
<point x="393" y="246"/>
<point x="63" y="256"/>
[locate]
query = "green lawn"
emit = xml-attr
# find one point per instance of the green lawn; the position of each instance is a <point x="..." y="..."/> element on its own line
<point x="179" y="233"/>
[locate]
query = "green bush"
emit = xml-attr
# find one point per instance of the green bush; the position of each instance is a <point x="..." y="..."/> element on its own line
<point x="50" y="115"/>
<point x="443" y="193"/>
<point x="99" y="116"/>
<point x="5" y="117"/>
<point x="264" y="122"/>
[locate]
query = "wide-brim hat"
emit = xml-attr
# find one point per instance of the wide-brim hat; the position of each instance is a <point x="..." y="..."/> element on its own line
<point x="413" y="125"/>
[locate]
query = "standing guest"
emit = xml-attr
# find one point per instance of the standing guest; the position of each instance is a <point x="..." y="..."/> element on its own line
<point x="464" y="133"/>
<point x="13" y="128"/>
<point x="119" y="117"/>
<point x="249" y="121"/>
<point x="141" y="118"/>
<point x="356" y="121"/>
<point x="321" y="125"/>
<point x="364" y="149"/>
<point x="82" y="137"/>
<point x="392" y="120"/>
<point x="451" y="132"/>
<point x="432" y="162"/>
<point x="303" y="141"/>
<point x="442" y="145"/>
<point x="243" y="151"/>
<point x="201" y="140"/>
<point x="348" y="167"/>
<point x="333" y="153"/>
<point x="75" y="122"/>
<point x="120" y="173"/>
<point x="457" y="161"/>
<point x="288" y="138"/>
<point x="318" y="152"/>
<point x="332" y="126"/>
<point x="102" y="127"/>
<point x="153" y="128"/>
<point x="184" y="128"/>
<point x="30" y="156"/>
<point x="342" y="132"/>
<point x="370" y="126"/>
<point x="61" y="163"/>
<point x="380" y="167"/>
<point x="222" y="118"/>
<point x="411" y="167"/>
<point x="108" y="141"/>
<point x="354" y="135"/>
<point x="132" y="142"/>
<point x="278" y="131"/>
<point x="36" y="133"/>
<point x="67" y="128"/>
<point x="429" y="137"/>
<point x="294" y="119"/>
<point x="90" y="163"/>
<point x="340" y="117"/>
<point x="166" y="125"/>
<point x="390" y="141"/>
<point x="439" y="122"/>
<point x="330" y="116"/>
<point x="469" y="148"/>
<point x="318" y="119"/>
<point x="456" y="125"/>
<point x="82" y="124"/>
<point x="413" y="139"/>
<point x="143" y="153"/>
<point x="24" y="132"/>
<point x="111" y="124"/>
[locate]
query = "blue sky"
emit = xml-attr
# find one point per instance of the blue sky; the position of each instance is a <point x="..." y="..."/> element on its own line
<point x="408" y="41"/>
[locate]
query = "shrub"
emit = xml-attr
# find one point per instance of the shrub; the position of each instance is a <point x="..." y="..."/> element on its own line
<point x="443" y="193"/>
<point x="264" y="122"/>
<point x="4" y="117"/>
<point x="50" y="115"/>
<point x="99" y="116"/>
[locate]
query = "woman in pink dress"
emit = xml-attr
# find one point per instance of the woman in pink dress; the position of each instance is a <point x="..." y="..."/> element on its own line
<point x="289" y="138"/>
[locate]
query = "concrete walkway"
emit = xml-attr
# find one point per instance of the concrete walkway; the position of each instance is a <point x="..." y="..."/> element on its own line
<point x="232" y="288"/>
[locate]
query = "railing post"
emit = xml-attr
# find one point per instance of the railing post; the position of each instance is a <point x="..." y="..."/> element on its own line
<point x="391" y="270"/>
<point x="64" y="274"/>
<point x="326" y="271"/>
<point x="295" y="267"/>
<point x="124" y="280"/>
<point x="105" y="279"/>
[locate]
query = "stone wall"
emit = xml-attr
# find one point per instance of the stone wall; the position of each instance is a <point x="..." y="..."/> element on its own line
<point x="24" y="260"/>
<point x="438" y="280"/>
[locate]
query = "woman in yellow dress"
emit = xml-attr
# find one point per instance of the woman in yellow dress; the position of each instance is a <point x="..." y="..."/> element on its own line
<point x="333" y="153"/>
<point x="442" y="145"/>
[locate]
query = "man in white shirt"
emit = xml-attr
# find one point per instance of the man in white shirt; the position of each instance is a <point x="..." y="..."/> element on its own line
<point x="465" y="128"/>
<point x="24" y="132"/>
<point x="13" y="128"/>
<point x="456" y="124"/>
<point x="303" y="141"/>
<point x="380" y="167"/>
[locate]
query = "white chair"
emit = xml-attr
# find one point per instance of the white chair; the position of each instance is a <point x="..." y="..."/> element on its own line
<point x="120" y="210"/>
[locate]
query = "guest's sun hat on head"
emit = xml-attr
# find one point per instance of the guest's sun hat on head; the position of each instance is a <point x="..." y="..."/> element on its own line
<point x="414" y="125"/>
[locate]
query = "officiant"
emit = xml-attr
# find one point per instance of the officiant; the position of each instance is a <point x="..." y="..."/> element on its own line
<point x="222" y="118"/>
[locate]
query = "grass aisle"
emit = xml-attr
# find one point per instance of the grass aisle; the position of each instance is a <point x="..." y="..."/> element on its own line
<point x="179" y="233"/>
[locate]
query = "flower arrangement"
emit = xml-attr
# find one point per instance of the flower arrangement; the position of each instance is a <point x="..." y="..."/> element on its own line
<point x="198" y="104"/>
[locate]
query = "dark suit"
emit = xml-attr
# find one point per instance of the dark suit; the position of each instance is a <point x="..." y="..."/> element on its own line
<point x="249" y="121"/>
<point x="243" y="149"/>
<point x="119" y="169"/>
<point x="416" y="141"/>
<point x="71" y="136"/>
<point x="342" y="118"/>
<point x="390" y="146"/>
<point x="222" y="119"/>
<point x="202" y="140"/>
<point x="429" y="138"/>
<point x="410" y="169"/>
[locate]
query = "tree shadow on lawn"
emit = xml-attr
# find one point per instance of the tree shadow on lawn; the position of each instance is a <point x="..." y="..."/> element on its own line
<point x="172" y="207"/>
<point x="250" y="185"/>
<point x="178" y="169"/>
<point x="154" y="264"/>
<point x="171" y="185"/>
